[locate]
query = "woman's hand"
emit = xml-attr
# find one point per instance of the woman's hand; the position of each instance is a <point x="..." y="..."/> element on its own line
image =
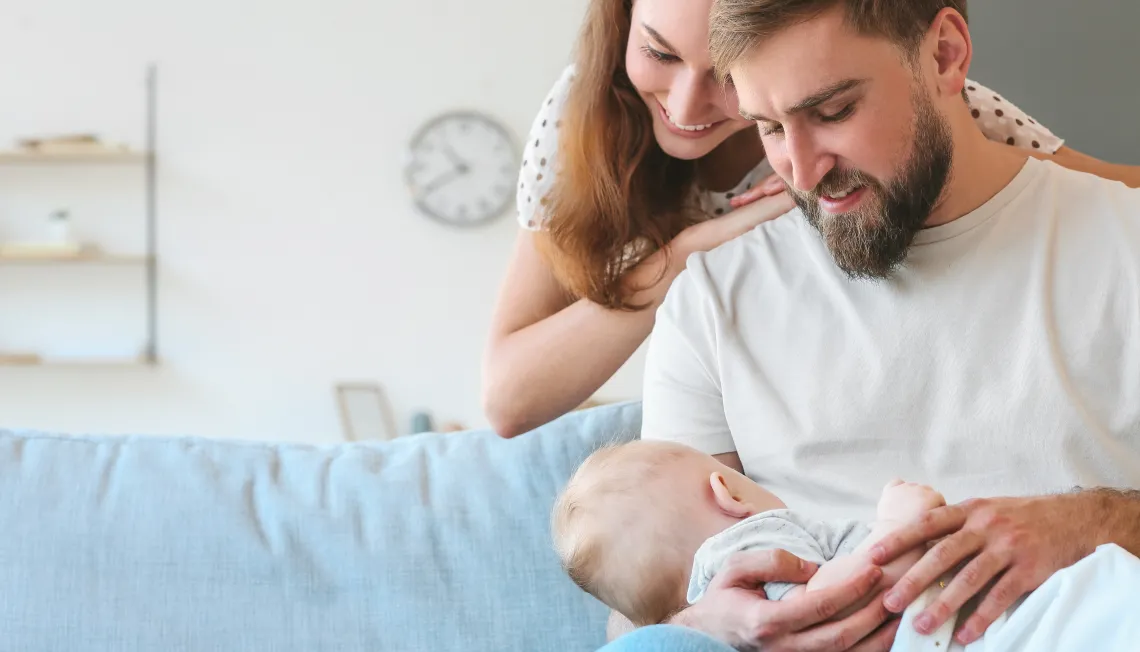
<point x="735" y="610"/>
<point x="772" y="185"/>
<point x="710" y="234"/>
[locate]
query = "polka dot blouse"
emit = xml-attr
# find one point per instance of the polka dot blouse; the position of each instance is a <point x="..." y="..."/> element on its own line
<point x="999" y="119"/>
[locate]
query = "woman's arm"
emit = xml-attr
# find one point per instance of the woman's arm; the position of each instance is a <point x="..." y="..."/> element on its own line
<point x="548" y="354"/>
<point x="1074" y="160"/>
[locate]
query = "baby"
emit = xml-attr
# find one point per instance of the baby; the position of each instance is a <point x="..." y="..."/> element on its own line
<point x="645" y="526"/>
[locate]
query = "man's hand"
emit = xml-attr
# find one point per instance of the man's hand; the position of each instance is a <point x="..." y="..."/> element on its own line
<point x="734" y="609"/>
<point x="1020" y="542"/>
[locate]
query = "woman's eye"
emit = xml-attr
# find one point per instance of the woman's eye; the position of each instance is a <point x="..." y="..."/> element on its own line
<point x="658" y="55"/>
<point x="771" y="129"/>
<point x="841" y="115"/>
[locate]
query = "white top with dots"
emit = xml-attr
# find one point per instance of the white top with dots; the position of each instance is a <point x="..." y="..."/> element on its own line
<point x="998" y="118"/>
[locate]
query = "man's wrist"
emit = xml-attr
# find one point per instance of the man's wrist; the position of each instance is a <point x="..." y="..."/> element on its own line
<point x="1113" y="516"/>
<point x="682" y="618"/>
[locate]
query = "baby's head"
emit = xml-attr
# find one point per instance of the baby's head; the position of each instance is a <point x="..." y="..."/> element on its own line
<point x="633" y="516"/>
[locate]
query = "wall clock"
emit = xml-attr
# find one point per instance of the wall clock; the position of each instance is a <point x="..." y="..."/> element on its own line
<point x="462" y="169"/>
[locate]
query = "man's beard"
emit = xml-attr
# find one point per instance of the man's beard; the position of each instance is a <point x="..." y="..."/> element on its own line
<point x="872" y="241"/>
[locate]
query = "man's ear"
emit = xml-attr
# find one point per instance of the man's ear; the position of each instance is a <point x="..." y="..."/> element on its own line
<point x="727" y="502"/>
<point x="953" y="51"/>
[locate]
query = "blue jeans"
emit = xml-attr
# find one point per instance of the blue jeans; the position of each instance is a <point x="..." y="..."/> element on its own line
<point x="666" y="638"/>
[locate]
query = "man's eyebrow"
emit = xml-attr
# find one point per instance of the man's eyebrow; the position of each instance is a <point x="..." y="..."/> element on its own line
<point x="753" y="117"/>
<point x="819" y="97"/>
<point x="660" y="39"/>
<point x="811" y="101"/>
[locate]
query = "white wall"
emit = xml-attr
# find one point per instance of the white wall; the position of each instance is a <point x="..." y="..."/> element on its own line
<point x="290" y="255"/>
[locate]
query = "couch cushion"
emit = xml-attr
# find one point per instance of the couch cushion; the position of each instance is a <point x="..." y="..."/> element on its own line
<point x="432" y="542"/>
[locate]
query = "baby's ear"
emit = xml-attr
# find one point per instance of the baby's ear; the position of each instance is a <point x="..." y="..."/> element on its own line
<point x="728" y="503"/>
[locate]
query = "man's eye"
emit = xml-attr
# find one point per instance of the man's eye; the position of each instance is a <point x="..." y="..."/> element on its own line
<point x="838" y="117"/>
<point x="771" y="128"/>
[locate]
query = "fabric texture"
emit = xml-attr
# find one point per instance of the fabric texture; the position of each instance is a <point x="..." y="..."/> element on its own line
<point x="666" y="638"/>
<point x="809" y="539"/>
<point x="426" y="543"/>
<point x="999" y="119"/>
<point x="1003" y="358"/>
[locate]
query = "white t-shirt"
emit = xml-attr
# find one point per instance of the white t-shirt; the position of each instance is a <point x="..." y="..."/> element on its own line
<point x="1000" y="120"/>
<point x="1003" y="359"/>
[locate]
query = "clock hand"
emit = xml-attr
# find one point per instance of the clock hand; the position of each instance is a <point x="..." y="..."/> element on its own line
<point x="443" y="180"/>
<point x="459" y="163"/>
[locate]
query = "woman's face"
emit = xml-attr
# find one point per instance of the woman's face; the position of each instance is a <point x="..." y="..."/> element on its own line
<point x="667" y="59"/>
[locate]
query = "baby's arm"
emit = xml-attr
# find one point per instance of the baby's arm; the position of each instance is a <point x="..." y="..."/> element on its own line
<point x="899" y="505"/>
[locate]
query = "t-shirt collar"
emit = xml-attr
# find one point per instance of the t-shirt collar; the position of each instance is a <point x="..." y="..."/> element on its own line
<point x="1030" y="171"/>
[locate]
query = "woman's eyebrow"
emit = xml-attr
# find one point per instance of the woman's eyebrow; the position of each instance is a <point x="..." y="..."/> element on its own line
<point x="660" y="39"/>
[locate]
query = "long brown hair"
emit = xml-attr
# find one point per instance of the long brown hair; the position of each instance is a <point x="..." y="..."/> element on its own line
<point x="617" y="196"/>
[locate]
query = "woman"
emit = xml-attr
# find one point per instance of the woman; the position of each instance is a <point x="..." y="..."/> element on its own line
<point x="636" y="160"/>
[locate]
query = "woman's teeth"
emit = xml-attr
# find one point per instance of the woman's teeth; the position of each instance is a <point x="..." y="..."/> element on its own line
<point x="687" y="127"/>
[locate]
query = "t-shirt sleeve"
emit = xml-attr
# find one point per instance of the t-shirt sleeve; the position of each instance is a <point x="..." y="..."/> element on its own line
<point x="681" y="396"/>
<point x="1001" y="121"/>
<point x="540" y="155"/>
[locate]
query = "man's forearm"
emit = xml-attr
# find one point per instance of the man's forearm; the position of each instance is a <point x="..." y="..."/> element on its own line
<point x="1115" y="514"/>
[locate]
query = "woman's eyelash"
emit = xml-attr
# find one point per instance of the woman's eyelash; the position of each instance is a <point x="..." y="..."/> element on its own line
<point x="657" y="55"/>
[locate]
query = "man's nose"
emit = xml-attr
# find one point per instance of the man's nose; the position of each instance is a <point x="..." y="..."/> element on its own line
<point x="809" y="163"/>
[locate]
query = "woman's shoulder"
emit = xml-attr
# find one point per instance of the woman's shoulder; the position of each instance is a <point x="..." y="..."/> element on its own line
<point x="540" y="154"/>
<point x="1003" y="121"/>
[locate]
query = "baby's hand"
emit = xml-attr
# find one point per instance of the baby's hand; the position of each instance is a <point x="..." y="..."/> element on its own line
<point x="906" y="501"/>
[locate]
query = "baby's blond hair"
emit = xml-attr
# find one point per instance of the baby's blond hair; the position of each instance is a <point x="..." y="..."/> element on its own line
<point x="609" y="534"/>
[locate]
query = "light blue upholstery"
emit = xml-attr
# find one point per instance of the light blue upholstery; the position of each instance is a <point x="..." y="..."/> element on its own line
<point x="433" y="542"/>
<point x="666" y="638"/>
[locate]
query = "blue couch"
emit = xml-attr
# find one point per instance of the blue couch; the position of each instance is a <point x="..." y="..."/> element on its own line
<point x="432" y="542"/>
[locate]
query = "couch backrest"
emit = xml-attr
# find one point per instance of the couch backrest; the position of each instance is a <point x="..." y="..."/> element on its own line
<point x="433" y="542"/>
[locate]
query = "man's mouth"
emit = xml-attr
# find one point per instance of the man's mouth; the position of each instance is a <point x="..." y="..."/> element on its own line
<point x="842" y="201"/>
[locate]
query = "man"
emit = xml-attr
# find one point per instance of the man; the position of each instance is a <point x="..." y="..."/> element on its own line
<point x="940" y="308"/>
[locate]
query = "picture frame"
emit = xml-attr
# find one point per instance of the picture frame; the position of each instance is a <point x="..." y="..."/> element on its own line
<point x="365" y="412"/>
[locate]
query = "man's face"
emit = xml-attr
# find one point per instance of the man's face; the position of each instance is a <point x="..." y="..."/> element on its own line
<point x="851" y="128"/>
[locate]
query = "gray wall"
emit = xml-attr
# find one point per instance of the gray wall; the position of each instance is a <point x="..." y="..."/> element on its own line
<point x="1072" y="64"/>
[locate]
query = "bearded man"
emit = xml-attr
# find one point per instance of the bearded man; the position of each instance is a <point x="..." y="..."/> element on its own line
<point x="940" y="308"/>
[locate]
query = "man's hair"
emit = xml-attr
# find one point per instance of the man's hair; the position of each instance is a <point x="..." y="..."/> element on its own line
<point x="625" y="562"/>
<point x="737" y="26"/>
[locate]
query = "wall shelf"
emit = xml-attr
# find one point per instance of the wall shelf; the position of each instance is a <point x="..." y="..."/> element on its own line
<point x="71" y="158"/>
<point x="103" y="362"/>
<point x="81" y="259"/>
<point x="87" y="153"/>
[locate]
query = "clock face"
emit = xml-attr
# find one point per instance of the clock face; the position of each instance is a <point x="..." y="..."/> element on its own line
<point x="462" y="169"/>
